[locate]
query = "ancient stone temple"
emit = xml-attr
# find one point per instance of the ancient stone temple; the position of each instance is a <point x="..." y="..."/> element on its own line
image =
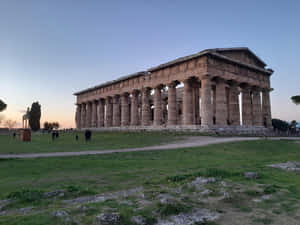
<point x="215" y="89"/>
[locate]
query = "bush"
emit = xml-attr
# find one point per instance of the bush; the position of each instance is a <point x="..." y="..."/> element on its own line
<point x="172" y="209"/>
<point x="270" y="189"/>
<point x="26" y="195"/>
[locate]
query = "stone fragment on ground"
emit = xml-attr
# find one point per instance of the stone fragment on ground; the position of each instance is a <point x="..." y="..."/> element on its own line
<point x="251" y="175"/>
<point x="51" y="194"/>
<point x="288" y="166"/>
<point x="139" y="220"/>
<point x="63" y="215"/>
<point x="263" y="198"/>
<point x="108" y="196"/>
<point x="200" y="181"/>
<point x="195" y="216"/>
<point x="108" y="218"/>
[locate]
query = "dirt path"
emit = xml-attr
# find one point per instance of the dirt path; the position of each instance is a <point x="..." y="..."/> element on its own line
<point x="186" y="143"/>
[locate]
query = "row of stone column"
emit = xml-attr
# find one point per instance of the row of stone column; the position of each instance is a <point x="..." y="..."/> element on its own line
<point x="219" y="106"/>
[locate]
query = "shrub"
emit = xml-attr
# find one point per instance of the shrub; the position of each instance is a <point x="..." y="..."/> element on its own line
<point x="171" y="209"/>
<point x="26" y="195"/>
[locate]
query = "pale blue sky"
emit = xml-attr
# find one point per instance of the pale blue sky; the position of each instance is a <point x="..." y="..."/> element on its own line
<point x="50" y="49"/>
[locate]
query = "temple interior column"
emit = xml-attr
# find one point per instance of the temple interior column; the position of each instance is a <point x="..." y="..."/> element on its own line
<point x="78" y="116"/>
<point x="214" y="104"/>
<point x="206" y="103"/>
<point x="196" y="104"/>
<point x="221" y="104"/>
<point x="157" y="106"/>
<point x="100" y="113"/>
<point x="134" y="121"/>
<point x="108" y="112"/>
<point x="125" y="109"/>
<point x="94" y="114"/>
<point x="146" y="110"/>
<point x="257" y="110"/>
<point x="187" y="103"/>
<point x="246" y="106"/>
<point x="266" y="107"/>
<point x="116" y="111"/>
<point x="234" y="106"/>
<point x="89" y="115"/>
<point x="83" y="115"/>
<point x="172" y="104"/>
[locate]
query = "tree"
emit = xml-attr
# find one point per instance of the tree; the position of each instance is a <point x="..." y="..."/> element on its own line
<point x="10" y="123"/>
<point x="2" y="106"/>
<point x="35" y="116"/>
<point x="296" y="99"/>
<point x="280" y="124"/>
<point x="51" y="125"/>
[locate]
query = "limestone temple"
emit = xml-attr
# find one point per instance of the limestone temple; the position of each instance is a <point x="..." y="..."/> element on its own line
<point x="215" y="89"/>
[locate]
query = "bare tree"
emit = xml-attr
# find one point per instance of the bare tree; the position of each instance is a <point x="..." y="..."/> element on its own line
<point x="10" y="123"/>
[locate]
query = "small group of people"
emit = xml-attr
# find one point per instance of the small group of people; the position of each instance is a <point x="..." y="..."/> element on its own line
<point x="55" y="135"/>
<point x="87" y="135"/>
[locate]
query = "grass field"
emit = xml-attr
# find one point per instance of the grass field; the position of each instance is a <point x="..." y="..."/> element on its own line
<point x="151" y="170"/>
<point x="100" y="141"/>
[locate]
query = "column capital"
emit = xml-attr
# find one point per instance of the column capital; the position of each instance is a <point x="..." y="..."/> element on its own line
<point x="159" y="87"/>
<point x="173" y="84"/>
<point x="125" y="94"/>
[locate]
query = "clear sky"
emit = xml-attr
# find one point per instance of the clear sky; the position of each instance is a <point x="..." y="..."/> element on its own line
<point x="50" y="49"/>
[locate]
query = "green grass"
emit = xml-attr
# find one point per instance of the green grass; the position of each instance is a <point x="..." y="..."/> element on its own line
<point x="123" y="170"/>
<point x="102" y="173"/>
<point x="100" y="141"/>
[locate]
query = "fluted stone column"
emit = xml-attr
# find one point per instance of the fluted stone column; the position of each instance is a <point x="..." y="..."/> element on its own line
<point x="134" y="121"/>
<point x="196" y="109"/>
<point x="83" y="115"/>
<point x="164" y="110"/>
<point x="94" y="114"/>
<point x="172" y="104"/>
<point x="234" y="106"/>
<point x="109" y="112"/>
<point x="116" y="111"/>
<point x="266" y="107"/>
<point x="187" y="103"/>
<point x="257" y="110"/>
<point x="221" y="104"/>
<point x="101" y="113"/>
<point x="157" y="106"/>
<point x="214" y="102"/>
<point x="146" y="110"/>
<point x="125" y="109"/>
<point x="78" y="116"/>
<point x="206" y="103"/>
<point x="246" y="106"/>
<point x="89" y="115"/>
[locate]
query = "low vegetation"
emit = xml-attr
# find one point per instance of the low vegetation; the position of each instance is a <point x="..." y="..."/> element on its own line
<point x="273" y="197"/>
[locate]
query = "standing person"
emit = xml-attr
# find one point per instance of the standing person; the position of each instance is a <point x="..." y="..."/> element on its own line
<point x="88" y="135"/>
<point x="76" y="137"/>
<point x="53" y="135"/>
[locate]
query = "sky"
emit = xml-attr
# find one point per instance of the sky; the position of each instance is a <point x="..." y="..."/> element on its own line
<point x="50" y="49"/>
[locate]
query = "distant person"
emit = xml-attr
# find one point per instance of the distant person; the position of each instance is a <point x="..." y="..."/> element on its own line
<point x="14" y="135"/>
<point x="57" y="134"/>
<point x="53" y="135"/>
<point x="76" y="137"/>
<point x="88" y="135"/>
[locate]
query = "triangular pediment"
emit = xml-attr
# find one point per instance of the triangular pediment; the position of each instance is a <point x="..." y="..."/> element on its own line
<point x="243" y="55"/>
